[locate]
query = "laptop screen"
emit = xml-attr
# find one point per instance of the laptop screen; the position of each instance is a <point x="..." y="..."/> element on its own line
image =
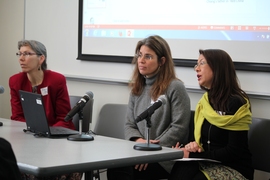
<point x="34" y="112"/>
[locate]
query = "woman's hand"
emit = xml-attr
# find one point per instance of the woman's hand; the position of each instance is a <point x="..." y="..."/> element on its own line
<point x="141" y="167"/>
<point x="186" y="153"/>
<point x="177" y="146"/>
<point x="190" y="147"/>
<point x="193" y="147"/>
<point x="180" y="147"/>
<point x="141" y="140"/>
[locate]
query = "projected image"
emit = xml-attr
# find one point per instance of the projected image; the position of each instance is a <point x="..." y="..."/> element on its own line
<point x="237" y="20"/>
<point x="110" y="29"/>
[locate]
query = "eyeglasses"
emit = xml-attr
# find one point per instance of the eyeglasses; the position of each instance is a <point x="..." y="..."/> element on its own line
<point x="201" y="63"/>
<point x="26" y="54"/>
<point x="146" y="57"/>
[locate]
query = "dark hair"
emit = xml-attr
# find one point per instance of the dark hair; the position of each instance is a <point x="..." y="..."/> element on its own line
<point x="166" y="73"/>
<point x="225" y="83"/>
<point x="36" y="46"/>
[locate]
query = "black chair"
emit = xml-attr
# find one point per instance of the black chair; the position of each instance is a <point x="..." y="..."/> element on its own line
<point x="259" y="144"/>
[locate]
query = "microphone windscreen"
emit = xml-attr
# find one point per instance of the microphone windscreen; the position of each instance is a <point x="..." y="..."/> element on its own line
<point x="162" y="98"/>
<point x="2" y="90"/>
<point x="90" y="94"/>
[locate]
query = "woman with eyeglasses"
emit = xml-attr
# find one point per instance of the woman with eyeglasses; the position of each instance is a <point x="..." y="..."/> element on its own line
<point x="37" y="79"/>
<point x="51" y="85"/>
<point x="221" y="124"/>
<point x="153" y="80"/>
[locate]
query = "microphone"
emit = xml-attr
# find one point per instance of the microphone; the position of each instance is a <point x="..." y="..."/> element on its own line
<point x="2" y="90"/>
<point x="151" y="109"/>
<point x="79" y="105"/>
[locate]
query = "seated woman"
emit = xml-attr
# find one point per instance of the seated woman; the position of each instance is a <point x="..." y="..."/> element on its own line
<point x="221" y="121"/>
<point x="51" y="85"/>
<point x="154" y="76"/>
<point x="36" y="78"/>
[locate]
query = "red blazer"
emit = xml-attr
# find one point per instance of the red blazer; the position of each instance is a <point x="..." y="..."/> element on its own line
<point x="54" y="95"/>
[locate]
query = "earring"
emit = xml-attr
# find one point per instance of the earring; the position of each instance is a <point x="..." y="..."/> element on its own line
<point x="39" y="68"/>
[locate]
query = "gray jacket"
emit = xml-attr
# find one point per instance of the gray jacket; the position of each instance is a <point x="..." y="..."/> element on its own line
<point x="169" y="123"/>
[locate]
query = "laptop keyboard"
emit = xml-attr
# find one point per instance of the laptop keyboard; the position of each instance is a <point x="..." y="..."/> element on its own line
<point x="60" y="130"/>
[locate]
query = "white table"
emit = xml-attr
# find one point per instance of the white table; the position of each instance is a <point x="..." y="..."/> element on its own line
<point x="45" y="157"/>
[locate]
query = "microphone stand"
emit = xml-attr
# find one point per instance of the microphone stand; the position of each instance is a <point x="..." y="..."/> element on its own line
<point x="147" y="146"/>
<point x="80" y="136"/>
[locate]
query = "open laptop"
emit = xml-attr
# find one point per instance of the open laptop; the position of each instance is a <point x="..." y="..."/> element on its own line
<point x="35" y="116"/>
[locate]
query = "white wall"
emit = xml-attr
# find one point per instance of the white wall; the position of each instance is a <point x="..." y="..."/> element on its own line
<point x="12" y="30"/>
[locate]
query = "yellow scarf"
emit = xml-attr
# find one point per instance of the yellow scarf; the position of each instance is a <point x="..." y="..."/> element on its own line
<point x="237" y="122"/>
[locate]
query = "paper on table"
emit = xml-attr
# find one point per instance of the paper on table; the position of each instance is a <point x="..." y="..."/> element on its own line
<point x="196" y="159"/>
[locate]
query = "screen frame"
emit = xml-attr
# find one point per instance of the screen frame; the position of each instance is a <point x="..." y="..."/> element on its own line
<point x="244" y="66"/>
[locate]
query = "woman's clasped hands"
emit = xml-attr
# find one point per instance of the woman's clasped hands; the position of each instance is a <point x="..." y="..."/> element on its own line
<point x="141" y="167"/>
<point x="190" y="147"/>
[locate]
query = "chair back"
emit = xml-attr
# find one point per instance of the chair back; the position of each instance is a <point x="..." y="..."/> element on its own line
<point x="111" y="121"/>
<point x="87" y="113"/>
<point x="259" y="144"/>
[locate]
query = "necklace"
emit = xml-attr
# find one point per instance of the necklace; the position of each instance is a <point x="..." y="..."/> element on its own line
<point x="34" y="89"/>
